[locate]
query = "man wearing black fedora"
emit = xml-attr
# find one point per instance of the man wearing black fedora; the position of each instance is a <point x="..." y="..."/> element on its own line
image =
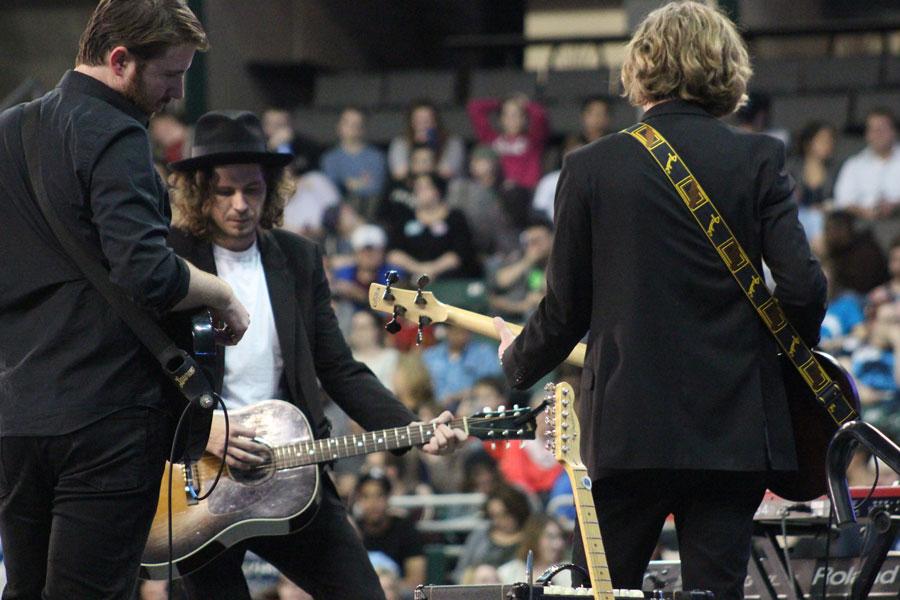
<point x="228" y="199"/>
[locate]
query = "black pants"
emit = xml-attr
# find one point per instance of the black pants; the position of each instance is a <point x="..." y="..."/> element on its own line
<point x="75" y="509"/>
<point x="326" y="558"/>
<point x="713" y="519"/>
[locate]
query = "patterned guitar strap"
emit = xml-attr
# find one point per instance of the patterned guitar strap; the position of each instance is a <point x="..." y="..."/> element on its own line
<point x="713" y="226"/>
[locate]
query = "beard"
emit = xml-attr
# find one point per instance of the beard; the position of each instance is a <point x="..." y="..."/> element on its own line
<point x="138" y="93"/>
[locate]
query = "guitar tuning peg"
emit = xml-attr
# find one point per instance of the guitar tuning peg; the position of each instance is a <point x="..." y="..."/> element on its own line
<point x="520" y="432"/>
<point x="421" y="282"/>
<point x="493" y="445"/>
<point x="515" y="407"/>
<point x="508" y="444"/>
<point x="521" y="444"/>
<point x="393" y="326"/>
<point x="390" y="279"/>
<point x="487" y="410"/>
<point x="423" y="323"/>
<point x="501" y="408"/>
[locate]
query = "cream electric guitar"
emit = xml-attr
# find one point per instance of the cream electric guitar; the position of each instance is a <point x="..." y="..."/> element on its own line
<point x="423" y="308"/>
<point x="562" y="439"/>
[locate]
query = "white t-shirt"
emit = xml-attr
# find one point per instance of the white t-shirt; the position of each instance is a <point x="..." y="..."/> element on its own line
<point x="866" y="178"/>
<point x="254" y="366"/>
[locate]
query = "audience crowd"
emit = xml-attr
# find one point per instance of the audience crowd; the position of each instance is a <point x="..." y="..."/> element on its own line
<point x="479" y="222"/>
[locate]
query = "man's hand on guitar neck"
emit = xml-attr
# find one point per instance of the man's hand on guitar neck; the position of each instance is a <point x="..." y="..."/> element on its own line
<point x="243" y="452"/>
<point x="445" y="440"/>
<point x="507" y="337"/>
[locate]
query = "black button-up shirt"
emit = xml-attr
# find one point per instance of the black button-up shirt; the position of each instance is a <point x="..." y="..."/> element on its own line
<point x="65" y="358"/>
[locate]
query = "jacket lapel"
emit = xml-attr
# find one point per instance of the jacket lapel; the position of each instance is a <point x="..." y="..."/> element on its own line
<point x="282" y="284"/>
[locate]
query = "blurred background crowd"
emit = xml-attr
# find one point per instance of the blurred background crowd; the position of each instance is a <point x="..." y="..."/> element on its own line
<point x="424" y="165"/>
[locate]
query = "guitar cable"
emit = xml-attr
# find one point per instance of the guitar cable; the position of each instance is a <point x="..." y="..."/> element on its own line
<point x="190" y="486"/>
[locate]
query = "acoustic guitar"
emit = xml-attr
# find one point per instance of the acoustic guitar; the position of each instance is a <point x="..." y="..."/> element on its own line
<point x="281" y="495"/>
<point x="812" y="425"/>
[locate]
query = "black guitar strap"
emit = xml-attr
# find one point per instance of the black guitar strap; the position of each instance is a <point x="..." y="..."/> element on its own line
<point x="714" y="228"/>
<point x="177" y="364"/>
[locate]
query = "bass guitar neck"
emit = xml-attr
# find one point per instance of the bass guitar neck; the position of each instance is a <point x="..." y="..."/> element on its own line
<point x="415" y="305"/>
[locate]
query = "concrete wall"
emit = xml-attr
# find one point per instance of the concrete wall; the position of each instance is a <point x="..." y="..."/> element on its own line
<point x="242" y="32"/>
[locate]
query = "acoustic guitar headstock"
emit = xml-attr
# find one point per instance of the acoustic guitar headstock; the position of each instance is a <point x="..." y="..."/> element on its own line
<point x="563" y="431"/>
<point x="505" y="424"/>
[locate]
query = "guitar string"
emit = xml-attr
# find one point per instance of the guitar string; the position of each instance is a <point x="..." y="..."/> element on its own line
<point x="327" y="453"/>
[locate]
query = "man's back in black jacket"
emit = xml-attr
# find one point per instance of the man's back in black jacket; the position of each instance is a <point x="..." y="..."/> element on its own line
<point x="680" y="372"/>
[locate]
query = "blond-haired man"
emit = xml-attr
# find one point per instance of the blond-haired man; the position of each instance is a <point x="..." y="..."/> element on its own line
<point x="682" y="407"/>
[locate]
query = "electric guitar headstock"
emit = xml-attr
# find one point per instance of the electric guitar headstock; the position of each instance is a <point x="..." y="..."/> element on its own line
<point x="563" y="437"/>
<point x="563" y="432"/>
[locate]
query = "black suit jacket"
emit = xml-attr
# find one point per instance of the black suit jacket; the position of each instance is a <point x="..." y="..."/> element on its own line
<point x="680" y="371"/>
<point x="312" y="346"/>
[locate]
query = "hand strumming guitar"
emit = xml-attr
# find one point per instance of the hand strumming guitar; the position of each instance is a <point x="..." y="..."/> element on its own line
<point x="243" y="452"/>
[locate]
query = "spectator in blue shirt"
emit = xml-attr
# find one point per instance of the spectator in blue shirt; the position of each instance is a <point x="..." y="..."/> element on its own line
<point x="351" y="282"/>
<point x="457" y="363"/>
<point x="356" y="167"/>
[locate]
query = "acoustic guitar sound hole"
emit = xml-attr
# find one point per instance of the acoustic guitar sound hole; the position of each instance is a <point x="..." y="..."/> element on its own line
<point x="255" y="475"/>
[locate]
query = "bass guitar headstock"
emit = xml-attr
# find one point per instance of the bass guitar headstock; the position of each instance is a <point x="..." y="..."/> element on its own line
<point x="503" y="425"/>
<point x="418" y="306"/>
<point x="563" y="431"/>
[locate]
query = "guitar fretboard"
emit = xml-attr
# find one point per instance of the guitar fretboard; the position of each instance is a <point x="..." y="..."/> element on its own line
<point x="595" y="555"/>
<point x="310" y="452"/>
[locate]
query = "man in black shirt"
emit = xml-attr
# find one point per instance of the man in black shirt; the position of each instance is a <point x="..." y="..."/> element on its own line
<point x="383" y="532"/>
<point x="84" y="426"/>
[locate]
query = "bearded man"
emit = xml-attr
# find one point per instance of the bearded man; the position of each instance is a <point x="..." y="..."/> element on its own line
<point x="84" y="422"/>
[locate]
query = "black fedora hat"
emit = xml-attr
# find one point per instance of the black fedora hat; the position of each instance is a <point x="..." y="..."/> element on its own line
<point x="228" y="138"/>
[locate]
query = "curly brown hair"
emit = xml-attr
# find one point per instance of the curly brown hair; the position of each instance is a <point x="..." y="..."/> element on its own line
<point x="191" y="193"/>
<point x="691" y="51"/>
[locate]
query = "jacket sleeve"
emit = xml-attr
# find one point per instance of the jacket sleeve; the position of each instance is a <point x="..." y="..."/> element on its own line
<point x="801" y="287"/>
<point x="347" y="381"/>
<point x="563" y="316"/>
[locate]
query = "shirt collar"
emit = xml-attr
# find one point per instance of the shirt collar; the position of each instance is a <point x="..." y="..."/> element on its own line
<point x="85" y="84"/>
<point x="676" y="107"/>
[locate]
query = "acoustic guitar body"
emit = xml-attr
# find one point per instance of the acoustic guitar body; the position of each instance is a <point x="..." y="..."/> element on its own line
<point x="243" y="505"/>
<point x="813" y="429"/>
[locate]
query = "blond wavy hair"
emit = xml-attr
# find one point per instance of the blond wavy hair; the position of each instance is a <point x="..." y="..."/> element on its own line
<point x="690" y="51"/>
<point x="191" y="194"/>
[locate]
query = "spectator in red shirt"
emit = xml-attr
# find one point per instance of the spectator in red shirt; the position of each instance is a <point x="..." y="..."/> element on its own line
<point x="520" y="143"/>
